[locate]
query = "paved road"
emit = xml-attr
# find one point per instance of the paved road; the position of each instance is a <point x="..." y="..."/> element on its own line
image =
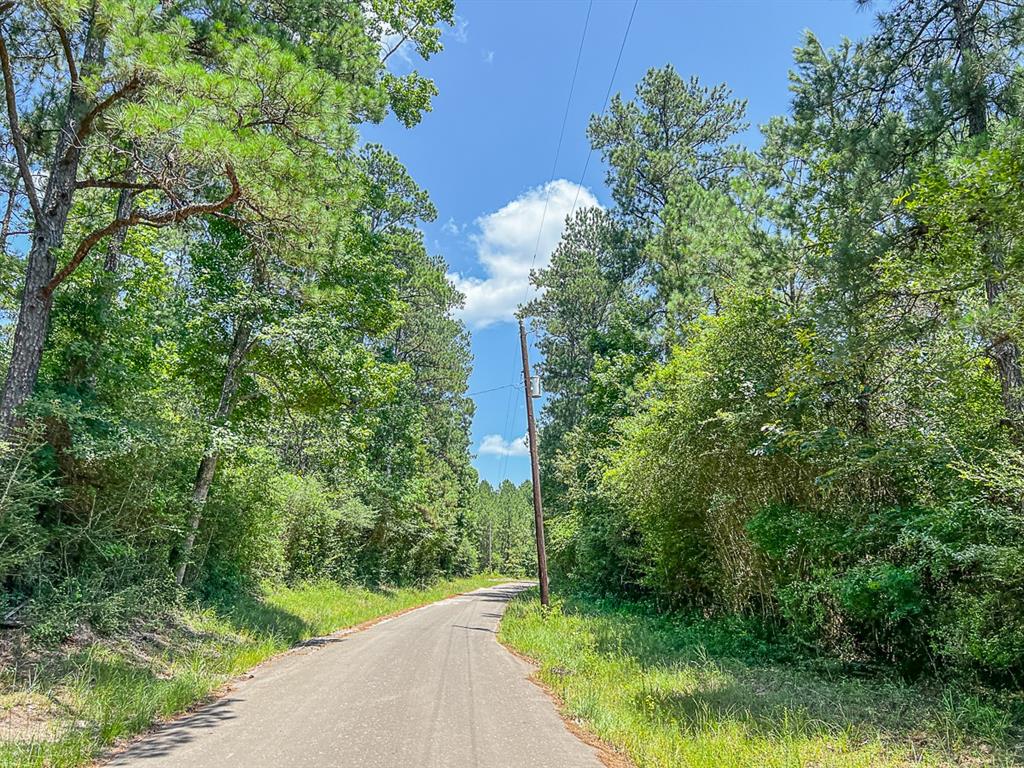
<point x="430" y="688"/>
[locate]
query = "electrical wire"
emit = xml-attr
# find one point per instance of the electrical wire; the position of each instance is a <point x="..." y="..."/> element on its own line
<point x="509" y="415"/>
<point x="561" y="136"/>
<point x="604" y="107"/>
<point x="607" y="95"/>
<point x="492" y="389"/>
<point x="509" y="422"/>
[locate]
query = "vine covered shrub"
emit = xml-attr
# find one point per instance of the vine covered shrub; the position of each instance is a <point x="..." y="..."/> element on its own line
<point x="757" y="490"/>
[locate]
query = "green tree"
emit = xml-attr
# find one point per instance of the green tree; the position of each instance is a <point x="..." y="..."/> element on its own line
<point x="198" y="110"/>
<point x="791" y="398"/>
<point x="418" y="473"/>
<point x="503" y="519"/>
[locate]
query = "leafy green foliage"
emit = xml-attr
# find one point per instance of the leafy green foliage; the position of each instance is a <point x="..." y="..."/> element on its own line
<point x="269" y="390"/>
<point x="786" y="384"/>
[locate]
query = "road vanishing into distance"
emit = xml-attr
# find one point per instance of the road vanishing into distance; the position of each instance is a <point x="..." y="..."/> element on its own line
<point x="429" y="688"/>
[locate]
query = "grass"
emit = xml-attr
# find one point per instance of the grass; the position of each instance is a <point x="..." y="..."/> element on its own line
<point x="68" y="709"/>
<point x="668" y="690"/>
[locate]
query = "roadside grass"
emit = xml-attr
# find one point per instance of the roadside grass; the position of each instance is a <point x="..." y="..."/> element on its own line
<point x="670" y="690"/>
<point x="66" y="710"/>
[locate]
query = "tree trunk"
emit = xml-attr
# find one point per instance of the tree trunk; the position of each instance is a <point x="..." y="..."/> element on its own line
<point x="208" y="465"/>
<point x="47" y="237"/>
<point x="1006" y="355"/>
<point x="5" y="228"/>
<point x="125" y="201"/>
<point x="200" y="491"/>
<point x="1004" y="351"/>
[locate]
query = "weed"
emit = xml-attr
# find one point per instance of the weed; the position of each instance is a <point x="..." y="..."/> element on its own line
<point x="673" y="690"/>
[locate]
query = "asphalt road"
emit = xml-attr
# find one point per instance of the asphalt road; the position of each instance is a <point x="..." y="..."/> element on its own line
<point x="430" y="688"/>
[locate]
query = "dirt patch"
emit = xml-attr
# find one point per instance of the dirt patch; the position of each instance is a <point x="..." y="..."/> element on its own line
<point x="27" y="717"/>
<point x="16" y="653"/>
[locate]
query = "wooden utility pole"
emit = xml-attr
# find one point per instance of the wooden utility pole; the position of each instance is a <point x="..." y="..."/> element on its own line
<point x="538" y="510"/>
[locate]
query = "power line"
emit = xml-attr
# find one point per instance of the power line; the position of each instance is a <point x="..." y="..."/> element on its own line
<point x="510" y="416"/>
<point x="510" y="421"/>
<point x="607" y="95"/>
<point x="604" y="106"/>
<point x="561" y="136"/>
<point x="492" y="389"/>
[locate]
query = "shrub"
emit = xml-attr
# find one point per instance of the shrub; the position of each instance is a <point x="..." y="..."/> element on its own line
<point x="758" y="488"/>
<point x="322" y="528"/>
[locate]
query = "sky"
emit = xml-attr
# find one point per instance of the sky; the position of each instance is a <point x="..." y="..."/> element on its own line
<point x="486" y="152"/>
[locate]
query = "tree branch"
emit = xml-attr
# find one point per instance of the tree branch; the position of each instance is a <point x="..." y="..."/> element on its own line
<point x="16" y="138"/>
<point x="65" y="42"/>
<point x="402" y="41"/>
<point x="164" y="219"/>
<point x="130" y="86"/>
<point x="114" y="184"/>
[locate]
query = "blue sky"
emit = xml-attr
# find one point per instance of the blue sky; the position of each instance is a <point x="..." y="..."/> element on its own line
<point x="485" y="152"/>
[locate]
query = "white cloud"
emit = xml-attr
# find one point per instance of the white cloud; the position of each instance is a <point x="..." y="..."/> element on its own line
<point x="487" y="56"/>
<point x="505" y="246"/>
<point x="450" y="227"/>
<point x="496" y="445"/>
<point x="459" y="29"/>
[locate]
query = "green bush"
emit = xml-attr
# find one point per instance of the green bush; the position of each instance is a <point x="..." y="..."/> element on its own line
<point x="755" y="491"/>
<point x="322" y="529"/>
<point x="243" y="537"/>
<point x="22" y="538"/>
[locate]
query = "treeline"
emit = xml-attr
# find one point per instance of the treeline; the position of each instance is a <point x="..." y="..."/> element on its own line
<point x="228" y="356"/>
<point x="786" y="381"/>
<point x="502" y="520"/>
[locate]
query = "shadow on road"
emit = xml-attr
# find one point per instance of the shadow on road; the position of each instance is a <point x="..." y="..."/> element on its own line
<point x="500" y="594"/>
<point x="168" y="737"/>
<point x="320" y="642"/>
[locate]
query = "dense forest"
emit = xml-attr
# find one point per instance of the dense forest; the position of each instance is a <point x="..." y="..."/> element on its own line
<point x="228" y="355"/>
<point x="502" y="518"/>
<point x="785" y="378"/>
<point x="784" y="414"/>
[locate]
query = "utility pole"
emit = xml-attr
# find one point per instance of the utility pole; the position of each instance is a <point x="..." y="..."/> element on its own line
<point x="538" y="511"/>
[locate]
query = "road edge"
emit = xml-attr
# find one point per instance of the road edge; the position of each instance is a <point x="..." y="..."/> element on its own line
<point x="610" y="755"/>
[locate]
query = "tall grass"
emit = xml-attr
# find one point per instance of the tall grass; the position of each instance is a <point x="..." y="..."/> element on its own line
<point x="674" y="691"/>
<point x="112" y="689"/>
